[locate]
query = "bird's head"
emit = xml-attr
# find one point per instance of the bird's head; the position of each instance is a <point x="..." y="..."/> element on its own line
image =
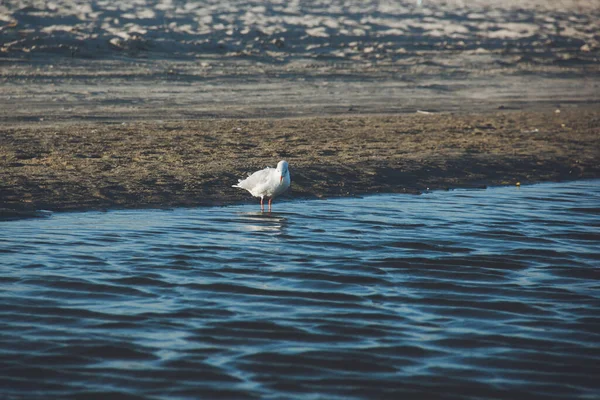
<point x="283" y="170"/>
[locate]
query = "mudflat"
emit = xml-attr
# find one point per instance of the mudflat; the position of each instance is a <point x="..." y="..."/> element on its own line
<point x="76" y="166"/>
<point x="155" y="105"/>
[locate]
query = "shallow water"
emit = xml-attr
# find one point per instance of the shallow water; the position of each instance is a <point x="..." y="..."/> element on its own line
<point x="482" y="293"/>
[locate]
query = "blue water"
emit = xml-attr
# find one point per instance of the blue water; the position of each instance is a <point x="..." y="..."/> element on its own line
<point x="463" y="294"/>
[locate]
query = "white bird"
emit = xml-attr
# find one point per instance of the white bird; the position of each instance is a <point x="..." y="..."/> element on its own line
<point x="267" y="183"/>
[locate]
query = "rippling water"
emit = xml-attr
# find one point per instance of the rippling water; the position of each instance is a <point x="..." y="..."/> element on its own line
<point x="485" y="293"/>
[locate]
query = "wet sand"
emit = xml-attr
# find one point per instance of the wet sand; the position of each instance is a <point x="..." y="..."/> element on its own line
<point x="80" y="166"/>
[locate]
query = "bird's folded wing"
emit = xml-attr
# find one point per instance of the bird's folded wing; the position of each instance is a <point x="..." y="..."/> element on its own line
<point x="256" y="179"/>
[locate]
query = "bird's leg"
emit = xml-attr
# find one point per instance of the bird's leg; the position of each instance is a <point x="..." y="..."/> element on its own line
<point x="270" y="200"/>
<point x="262" y="206"/>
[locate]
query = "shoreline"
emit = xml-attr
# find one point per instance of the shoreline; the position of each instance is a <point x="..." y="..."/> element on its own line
<point x="164" y="164"/>
<point x="104" y="108"/>
<point x="7" y="214"/>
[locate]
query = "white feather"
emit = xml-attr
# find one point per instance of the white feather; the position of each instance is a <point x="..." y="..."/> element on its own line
<point x="267" y="182"/>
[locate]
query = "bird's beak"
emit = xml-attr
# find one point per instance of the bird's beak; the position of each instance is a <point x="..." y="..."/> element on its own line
<point x="281" y="179"/>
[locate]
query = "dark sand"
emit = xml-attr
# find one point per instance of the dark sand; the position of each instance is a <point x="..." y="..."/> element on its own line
<point x="78" y="166"/>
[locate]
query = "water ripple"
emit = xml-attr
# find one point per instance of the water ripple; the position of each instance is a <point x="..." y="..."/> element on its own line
<point x="492" y="292"/>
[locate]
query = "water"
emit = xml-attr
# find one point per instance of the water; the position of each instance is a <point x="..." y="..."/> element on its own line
<point x="484" y="293"/>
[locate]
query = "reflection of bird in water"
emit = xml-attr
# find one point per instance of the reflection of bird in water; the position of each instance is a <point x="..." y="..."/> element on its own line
<point x="268" y="182"/>
<point x="261" y="222"/>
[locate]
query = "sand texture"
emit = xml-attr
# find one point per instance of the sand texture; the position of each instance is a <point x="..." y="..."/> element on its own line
<point x="157" y="59"/>
<point x="189" y="163"/>
<point x="157" y="103"/>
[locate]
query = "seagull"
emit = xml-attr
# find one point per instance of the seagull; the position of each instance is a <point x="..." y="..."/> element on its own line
<point x="268" y="182"/>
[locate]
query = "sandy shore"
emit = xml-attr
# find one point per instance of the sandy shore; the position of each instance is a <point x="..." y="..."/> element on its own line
<point x="163" y="104"/>
<point x="78" y="166"/>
